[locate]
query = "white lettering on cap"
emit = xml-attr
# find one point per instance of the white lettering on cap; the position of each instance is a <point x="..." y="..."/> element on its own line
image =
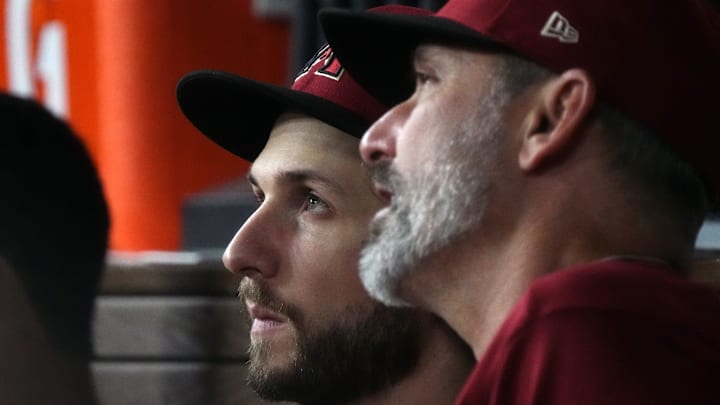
<point x="559" y="27"/>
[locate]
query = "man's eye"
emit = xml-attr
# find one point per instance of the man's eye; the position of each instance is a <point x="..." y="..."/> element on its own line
<point x="421" y="78"/>
<point x="314" y="203"/>
<point x="259" y="198"/>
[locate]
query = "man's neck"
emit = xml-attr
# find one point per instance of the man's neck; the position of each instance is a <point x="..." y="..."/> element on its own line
<point x="474" y="283"/>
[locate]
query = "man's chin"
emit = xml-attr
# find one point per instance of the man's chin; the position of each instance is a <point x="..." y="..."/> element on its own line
<point x="273" y="354"/>
<point x="270" y="370"/>
<point x="269" y="383"/>
<point x="380" y="281"/>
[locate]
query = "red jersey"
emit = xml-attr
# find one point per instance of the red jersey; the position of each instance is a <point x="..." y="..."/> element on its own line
<point x="608" y="332"/>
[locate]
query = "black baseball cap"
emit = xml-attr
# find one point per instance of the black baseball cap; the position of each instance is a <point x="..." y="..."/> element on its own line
<point x="238" y="113"/>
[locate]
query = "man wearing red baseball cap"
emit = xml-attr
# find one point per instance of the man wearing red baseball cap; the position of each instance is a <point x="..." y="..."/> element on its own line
<point x="316" y="335"/>
<point x="547" y="178"/>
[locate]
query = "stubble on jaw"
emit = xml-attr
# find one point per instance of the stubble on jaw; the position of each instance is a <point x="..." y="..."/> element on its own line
<point x="358" y="352"/>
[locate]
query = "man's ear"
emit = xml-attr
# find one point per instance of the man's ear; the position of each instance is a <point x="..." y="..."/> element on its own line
<point x="563" y="105"/>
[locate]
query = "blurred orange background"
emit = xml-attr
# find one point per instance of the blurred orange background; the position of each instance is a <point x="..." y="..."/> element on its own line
<point x="110" y="68"/>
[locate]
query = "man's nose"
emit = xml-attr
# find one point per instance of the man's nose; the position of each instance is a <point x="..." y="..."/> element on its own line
<point x="378" y="142"/>
<point x="253" y="250"/>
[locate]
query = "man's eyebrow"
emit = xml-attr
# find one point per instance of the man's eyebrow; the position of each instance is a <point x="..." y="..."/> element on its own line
<point x="251" y="179"/>
<point x="305" y="175"/>
<point x="420" y="55"/>
<point x="302" y="176"/>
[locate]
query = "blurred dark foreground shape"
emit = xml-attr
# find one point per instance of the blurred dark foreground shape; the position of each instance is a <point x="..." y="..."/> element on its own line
<point x="53" y="238"/>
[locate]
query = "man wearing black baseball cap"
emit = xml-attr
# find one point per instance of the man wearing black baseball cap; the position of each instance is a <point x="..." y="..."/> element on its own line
<point x="316" y="336"/>
<point x="547" y="178"/>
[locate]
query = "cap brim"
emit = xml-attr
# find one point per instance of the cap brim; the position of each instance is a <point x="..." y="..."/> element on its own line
<point x="377" y="48"/>
<point x="238" y="113"/>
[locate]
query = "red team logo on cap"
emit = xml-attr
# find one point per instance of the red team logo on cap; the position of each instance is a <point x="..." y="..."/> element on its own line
<point x="331" y="67"/>
<point x="345" y="93"/>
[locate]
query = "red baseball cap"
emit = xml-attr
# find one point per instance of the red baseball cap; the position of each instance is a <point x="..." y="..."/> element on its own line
<point x="238" y="113"/>
<point x="658" y="62"/>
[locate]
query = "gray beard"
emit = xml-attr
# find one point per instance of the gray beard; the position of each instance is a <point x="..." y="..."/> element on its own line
<point x="434" y="207"/>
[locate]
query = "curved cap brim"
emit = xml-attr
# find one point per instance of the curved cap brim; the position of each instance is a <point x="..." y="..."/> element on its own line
<point x="238" y="113"/>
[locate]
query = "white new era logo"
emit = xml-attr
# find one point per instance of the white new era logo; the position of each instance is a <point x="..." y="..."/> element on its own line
<point x="559" y="27"/>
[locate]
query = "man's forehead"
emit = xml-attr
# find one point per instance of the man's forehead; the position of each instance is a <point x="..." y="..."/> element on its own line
<point x="305" y="139"/>
<point x="426" y="52"/>
<point x="303" y="151"/>
<point x="449" y="54"/>
<point x="293" y="176"/>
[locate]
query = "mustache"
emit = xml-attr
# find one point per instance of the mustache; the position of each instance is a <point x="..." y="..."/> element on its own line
<point x="258" y="292"/>
<point x="386" y="176"/>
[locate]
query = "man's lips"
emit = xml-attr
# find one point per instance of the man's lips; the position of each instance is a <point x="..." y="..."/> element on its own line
<point x="257" y="311"/>
<point x="264" y="320"/>
<point x="383" y="192"/>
